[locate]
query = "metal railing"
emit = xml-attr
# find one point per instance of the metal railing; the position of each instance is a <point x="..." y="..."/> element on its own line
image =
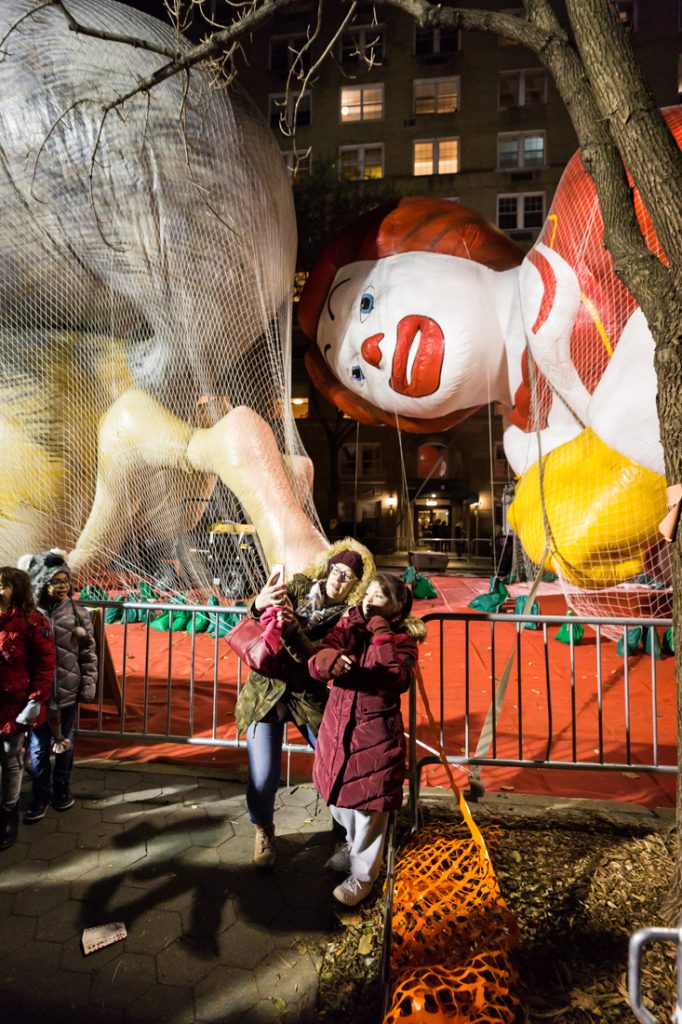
<point x="164" y="686"/>
<point x="588" y="714"/>
<point x="638" y="941"/>
<point x="173" y="687"/>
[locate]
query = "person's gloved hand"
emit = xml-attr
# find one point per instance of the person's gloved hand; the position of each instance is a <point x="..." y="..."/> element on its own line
<point x="342" y="664"/>
<point x="377" y="625"/>
<point x="28" y="715"/>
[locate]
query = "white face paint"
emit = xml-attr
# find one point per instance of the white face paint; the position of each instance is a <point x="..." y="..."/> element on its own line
<point x="418" y="334"/>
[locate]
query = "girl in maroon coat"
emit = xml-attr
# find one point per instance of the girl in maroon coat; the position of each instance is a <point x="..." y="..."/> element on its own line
<point x="359" y="769"/>
<point x="27" y="661"/>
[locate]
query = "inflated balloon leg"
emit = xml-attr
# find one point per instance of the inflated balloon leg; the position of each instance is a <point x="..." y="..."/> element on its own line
<point x="241" y="448"/>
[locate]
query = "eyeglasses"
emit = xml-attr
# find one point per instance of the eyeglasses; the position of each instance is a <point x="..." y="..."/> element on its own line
<point x="344" y="576"/>
<point x="59" y="581"/>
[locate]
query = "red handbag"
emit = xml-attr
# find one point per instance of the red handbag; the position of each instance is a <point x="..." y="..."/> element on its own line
<point x="258" y="642"/>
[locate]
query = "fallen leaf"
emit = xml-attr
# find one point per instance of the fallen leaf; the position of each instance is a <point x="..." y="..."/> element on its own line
<point x="348" y="920"/>
<point x="365" y="944"/>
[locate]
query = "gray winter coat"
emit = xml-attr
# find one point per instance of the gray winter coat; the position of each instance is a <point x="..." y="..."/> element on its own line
<point x="74" y="641"/>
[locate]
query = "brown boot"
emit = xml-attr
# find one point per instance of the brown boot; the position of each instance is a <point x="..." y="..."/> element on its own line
<point x="264" y="853"/>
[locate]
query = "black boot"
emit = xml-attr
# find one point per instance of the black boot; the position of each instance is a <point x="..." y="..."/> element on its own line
<point x="9" y="827"/>
<point x="37" y="809"/>
<point x="61" y="796"/>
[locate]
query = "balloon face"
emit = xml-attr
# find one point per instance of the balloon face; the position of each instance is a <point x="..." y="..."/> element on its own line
<point x="415" y="334"/>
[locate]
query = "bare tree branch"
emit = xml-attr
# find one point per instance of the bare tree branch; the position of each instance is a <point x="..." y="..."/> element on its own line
<point x="289" y="127"/>
<point x="511" y="26"/>
<point x="541" y="32"/>
<point x="111" y="37"/>
<point x="15" y="25"/>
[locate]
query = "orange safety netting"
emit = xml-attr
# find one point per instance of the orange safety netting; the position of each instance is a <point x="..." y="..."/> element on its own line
<point x="452" y="930"/>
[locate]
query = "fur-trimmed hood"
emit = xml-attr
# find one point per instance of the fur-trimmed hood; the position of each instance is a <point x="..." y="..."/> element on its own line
<point x="415" y="627"/>
<point x="317" y="570"/>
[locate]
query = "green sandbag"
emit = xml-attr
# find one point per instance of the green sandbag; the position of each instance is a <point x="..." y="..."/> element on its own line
<point x="93" y="593"/>
<point x="180" y="618"/>
<point x="519" y="606"/>
<point x="201" y="623"/>
<point x="134" y="614"/>
<point x="635" y="636"/>
<point x="410" y="575"/>
<point x="223" y="623"/>
<point x="423" y="588"/>
<point x="568" y="630"/>
<point x="651" y="643"/>
<point x="669" y="641"/>
<point x="112" y="615"/>
<point x="198" y="623"/>
<point x="147" y="591"/>
<point x="493" y="600"/>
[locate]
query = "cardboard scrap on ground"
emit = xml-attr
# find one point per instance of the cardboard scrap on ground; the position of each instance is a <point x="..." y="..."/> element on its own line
<point x="102" y="935"/>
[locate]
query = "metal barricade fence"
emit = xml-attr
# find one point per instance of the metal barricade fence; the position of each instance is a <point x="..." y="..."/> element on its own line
<point x="175" y="687"/>
<point x="168" y="687"/>
<point x="572" y="709"/>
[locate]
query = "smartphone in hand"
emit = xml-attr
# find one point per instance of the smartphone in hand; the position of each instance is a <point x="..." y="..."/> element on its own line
<point x="277" y="573"/>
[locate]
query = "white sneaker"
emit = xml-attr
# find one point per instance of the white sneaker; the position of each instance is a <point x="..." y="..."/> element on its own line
<point x="340" y="859"/>
<point x="352" y="891"/>
<point x="264" y="853"/>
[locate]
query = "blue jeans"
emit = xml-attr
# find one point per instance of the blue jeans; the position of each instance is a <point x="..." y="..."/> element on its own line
<point x="39" y="748"/>
<point x="11" y="768"/>
<point x="264" y="742"/>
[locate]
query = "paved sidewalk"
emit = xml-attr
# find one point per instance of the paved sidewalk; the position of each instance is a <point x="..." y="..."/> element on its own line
<point x="167" y="851"/>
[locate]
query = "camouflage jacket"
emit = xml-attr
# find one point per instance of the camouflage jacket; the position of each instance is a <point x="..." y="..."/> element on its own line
<point x="305" y="697"/>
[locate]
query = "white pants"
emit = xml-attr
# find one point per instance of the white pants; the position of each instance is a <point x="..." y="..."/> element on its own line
<point x="365" y="835"/>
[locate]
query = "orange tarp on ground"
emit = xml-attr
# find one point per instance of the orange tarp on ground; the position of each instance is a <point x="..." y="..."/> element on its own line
<point x="190" y="705"/>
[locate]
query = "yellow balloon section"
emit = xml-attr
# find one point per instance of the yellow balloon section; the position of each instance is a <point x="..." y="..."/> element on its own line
<point x="601" y="512"/>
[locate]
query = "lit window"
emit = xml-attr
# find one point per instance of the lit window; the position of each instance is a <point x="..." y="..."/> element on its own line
<point x="627" y="10"/>
<point x="522" y="88"/>
<point x="525" y="210"/>
<point x="300" y="408"/>
<point x="284" y="51"/>
<point x="520" y="149"/>
<point x="358" y="163"/>
<point x="436" y="95"/>
<point x="298" y="163"/>
<point x="362" y="103"/>
<point x="435" y="156"/>
<point x="430" y="42"/>
<point x="282" y="108"/>
<point x="362" y="42"/>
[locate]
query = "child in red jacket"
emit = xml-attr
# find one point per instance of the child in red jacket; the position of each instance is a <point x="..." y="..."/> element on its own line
<point x="27" y="662"/>
<point x="359" y="768"/>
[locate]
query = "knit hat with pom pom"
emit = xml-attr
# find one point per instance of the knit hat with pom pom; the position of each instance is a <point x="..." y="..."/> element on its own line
<point x="42" y="568"/>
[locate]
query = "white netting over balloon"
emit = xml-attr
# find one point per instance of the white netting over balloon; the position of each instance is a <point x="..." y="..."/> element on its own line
<point x="146" y="267"/>
<point x="596" y="498"/>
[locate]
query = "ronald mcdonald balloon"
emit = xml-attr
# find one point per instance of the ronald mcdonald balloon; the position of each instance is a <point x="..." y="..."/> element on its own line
<point x="421" y="312"/>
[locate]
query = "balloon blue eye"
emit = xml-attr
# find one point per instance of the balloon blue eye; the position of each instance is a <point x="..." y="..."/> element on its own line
<point x="366" y="305"/>
<point x="357" y="374"/>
